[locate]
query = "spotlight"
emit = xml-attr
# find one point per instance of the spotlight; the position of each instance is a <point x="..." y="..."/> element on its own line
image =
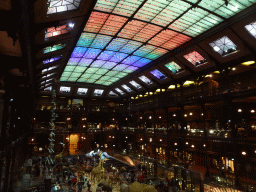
<point x="192" y="146"/>
<point x="252" y="111"/>
<point x="239" y="110"/>
<point x="243" y="153"/>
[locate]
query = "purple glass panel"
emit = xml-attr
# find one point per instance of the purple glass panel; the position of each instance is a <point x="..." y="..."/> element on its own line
<point x="106" y="55"/>
<point x="131" y="59"/>
<point x="118" y="57"/>
<point x="92" y="53"/>
<point x="78" y="52"/>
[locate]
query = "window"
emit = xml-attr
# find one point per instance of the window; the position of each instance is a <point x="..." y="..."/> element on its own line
<point x="112" y="94"/>
<point x="56" y="6"/>
<point x="64" y="89"/>
<point x="126" y="88"/>
<point x="54" y="48"/>
<point x="82" y="91"/>
<point x="60" y="30"/>
<point x="174" y="67"/>
<point x="119" y="91"/>
<point x="47" y="61"/>
<point x="251" y="28"/>
<point x="135" y="84"/>
<point x="43" y="77"/>
<point x="223" y="46"/>
<point x="158" y="74"/>
<point x="145" y="80"/>
<point x="48" y="88"/>
<point x="98" y="92"/>
<point x="195" y="58"/>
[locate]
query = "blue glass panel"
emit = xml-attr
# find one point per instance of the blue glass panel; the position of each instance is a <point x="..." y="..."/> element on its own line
<point x="106" y="55"/>
<point x="101" y="41"/>
<point x="78" y="52"/>
<point x="131" y="59"/>
<point x="158" y="74"/>
<point x="109" y="65"/>
<point x="73" y="61"/>
<point x="117" y="44"/>
<point x="120" y="67"/>
<point x="51" y="60"/>
<point x="85" y="62"/>
<point x="118" y="57"/>
<point x="92" y="53"/>
<point x="98" y="63"/>
<point x="142" y="62"/>
<point x="130" y="47"/>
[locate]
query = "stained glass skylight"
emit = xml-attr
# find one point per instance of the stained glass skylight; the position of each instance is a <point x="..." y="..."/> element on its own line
<point x="145" y="80"/>
<point x="119" y="91"/>
<point x="195" y="58"/>
<point x="174" y="67"/>
<point x="60" y="30"/>
<point x="135" y="84"/>
<point x="122" y="36"/>
<point x="158" y="74"/>
<point x="126" y="88"/>
<point x="251" y="28"/>
<point x="112" y="94"/>
<point x="64" y="89"/>
<point x="54" y="48"/>
<point x="56" y="6"/>
<point x="98" y="92"/>
<point x="82" y="91"/>
<point x="51" y="60"/>
<point x="223" y="46"/>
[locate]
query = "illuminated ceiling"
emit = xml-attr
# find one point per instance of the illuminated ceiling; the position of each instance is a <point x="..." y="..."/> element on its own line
<point x="121" y="37"/>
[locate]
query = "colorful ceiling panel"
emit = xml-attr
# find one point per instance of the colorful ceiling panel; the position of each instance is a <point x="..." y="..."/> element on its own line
<point x="122" y="36"/>
<point x="224" y="46"/>
<point x="56" y="6"/>
<point x="173" y="67"/>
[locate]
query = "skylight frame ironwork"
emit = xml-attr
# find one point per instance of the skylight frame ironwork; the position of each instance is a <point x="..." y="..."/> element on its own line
<point x="64" y="89"/>
<point x="224" y="46"/>
<point x="158" y="74"/>
<point x="98" y="92"/>
<point x="195" y="58"/>
<point x="135" y="84"/>
<point x="58" y="6"/>
<point x="174" y="67"/>
<point x="125" y="87"/>
<point x="145" y="80"/>
<point x="82" y="91"/>
<point x="251" y="28"/>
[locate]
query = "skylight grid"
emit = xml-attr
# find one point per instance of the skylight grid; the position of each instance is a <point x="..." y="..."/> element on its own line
<point x="57" y="6"/>
<point x="92" y="53"/>
<point x="64" y="89"/>
<point x="130" y="47"/>
<point x="224" y="46"/>
<point x="106" y="55"/>
<point x="128" y="89"/>
<point x="119" y="91"/>
<point x="82" y="91"/>
<point x="132" y="28"/>
<point x="147" y="32"/>
<point x="158" y="74"/>
<point x="56" y="31"/>
<point x="173" y="67"/>
<point x="150" y="9"/>
<point x="130" y="69"/>
<point x="54" y="48"/>
<point x="144" y="50"/>
<point x="86" y="39"/>
<point x="116" y="44"/>
<point x="251" y="28"/>
<point x="142" y="62"/>
<point x="79" y="52"/>
<point x="100" y="41"/>
<point x="163" y="37"/>
<point x="145" y="80"/>
<point x="112" y="25"/>
<point x="195" y="58"/>
<point x="118" y="57"/>
<point x="85" y="62"/>
<point x="127" y="7"/>
<point x="95" y="22"/>
<point x="105" y="5"/>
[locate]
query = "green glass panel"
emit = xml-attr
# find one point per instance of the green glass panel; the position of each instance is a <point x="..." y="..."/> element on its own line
<point x="113" y="79"/>
<point x="66" y="73"/>
<point x="101" y="71"/>
<point x="107" y="83"/>
<point x="99" y="82"/>
<point x="95" y="76"/>
<point x="127" y="7"/>
<point x="112" y="73"/>
<point x="69" y="68"/>
<point x="86" y="39"/>
<point x="86" y="76"/>
<point x="91" y="70"/>
<point x="101" y="41"/>
<point x="72" y="79"/>
<point x="105" y="78"/>
<point x="90" y="80"/>
<point x="81" y="80"/>
<point x="75" y="74"/>
<point x="106" y="6"/>
<point x="121" y="75"/>
<point x="63" y="78"/>
<point x="54" y="48"/>
<point x="80" y="69"/>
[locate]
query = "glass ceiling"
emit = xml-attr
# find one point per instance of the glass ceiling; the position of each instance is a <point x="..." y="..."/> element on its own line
<point x="122" y="36"/>
<point x="56" y="6"/>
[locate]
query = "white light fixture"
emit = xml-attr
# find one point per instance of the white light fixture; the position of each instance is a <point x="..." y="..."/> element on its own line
<point x="252" y="111"/>
<point x="175" y="143"/>
<point x="161" y="140"/>
<point x="150" y="117"/>
<point x="40" y="149"/>
<point x="109" y="136"/>
<point x="185" y="115"/>
<point x="174" y="115"/>
<point x="71" y="25"/>
<point x="32" y="139"/>
<point x="141" y="139"/>
<point x="233" y="69"/>
<point x="67" y="138"/>
<point x="204" y="145"/>
<point x="83" y="126"/>
<point x="186" y="143"/>
<point x="150" y="139"/>
<point x="126" y="119"/>
<point x="126" y="137"/>
<point x="239" y="110"/>
<point x="160" y="117"/>
<point x="140" y="117"/>
<point x="113" y="145"/>
<point x="68" y="119"/>
<point x="190" y="113"/>
<point x="202" y="114"/>
<point x="192" y="146"/>
<point x="113" y="119"/>
<point x="113" y="137"/>
<point x="243" y="153"/>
